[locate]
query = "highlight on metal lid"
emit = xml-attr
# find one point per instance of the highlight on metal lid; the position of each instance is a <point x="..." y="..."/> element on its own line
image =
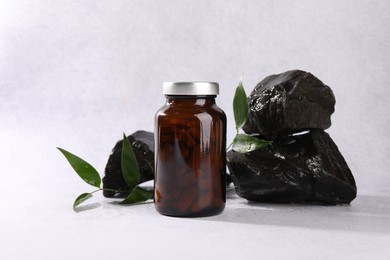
<point x="191" y="88"/>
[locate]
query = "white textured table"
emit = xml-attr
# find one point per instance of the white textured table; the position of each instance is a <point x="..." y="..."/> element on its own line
<point x="48" y="229"/>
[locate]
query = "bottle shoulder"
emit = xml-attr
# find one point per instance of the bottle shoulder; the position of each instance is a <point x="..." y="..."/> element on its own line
<point x="162" y="110"/>
<point x="178" y="111"/>
<point x="219" y="110"/>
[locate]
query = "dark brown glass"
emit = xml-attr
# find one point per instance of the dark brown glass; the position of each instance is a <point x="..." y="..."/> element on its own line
<point x="190" y="156"/>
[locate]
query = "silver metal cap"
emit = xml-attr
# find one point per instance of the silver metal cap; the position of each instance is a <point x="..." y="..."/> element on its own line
<point x="191" y="88"/>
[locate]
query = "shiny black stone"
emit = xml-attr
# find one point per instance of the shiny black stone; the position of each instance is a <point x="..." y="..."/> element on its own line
<point x="287" y="103"/>
<point x="142" y="143"/>
<point x="301" y="168"/>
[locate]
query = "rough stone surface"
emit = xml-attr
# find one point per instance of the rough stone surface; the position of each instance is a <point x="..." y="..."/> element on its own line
<point x="302" y="168"/>
<point x="289" y="102"/>
<point x="143" y="146"/>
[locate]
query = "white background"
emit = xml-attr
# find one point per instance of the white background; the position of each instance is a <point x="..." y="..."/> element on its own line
<point x="76" y="74"/>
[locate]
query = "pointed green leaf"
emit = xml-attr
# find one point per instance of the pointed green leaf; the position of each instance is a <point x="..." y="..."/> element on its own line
<point x="243" y="143"/>
<point x="240" y="106"/>
<point x="137" y="195"/>
<point x="80" y="199"/>
<point x="130" y="170"/>
<point x="82" y="168"/>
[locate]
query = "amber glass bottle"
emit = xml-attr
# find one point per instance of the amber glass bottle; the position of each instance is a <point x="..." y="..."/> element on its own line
<point x="190" y="152"/>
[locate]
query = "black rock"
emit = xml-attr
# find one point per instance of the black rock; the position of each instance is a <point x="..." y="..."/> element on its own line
<point x="302" y="168"/>
<point x="287" y="103"/>
<point x="143" y="146"/>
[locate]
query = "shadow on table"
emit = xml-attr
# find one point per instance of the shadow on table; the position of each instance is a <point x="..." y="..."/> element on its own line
<point x="367" y="214"/>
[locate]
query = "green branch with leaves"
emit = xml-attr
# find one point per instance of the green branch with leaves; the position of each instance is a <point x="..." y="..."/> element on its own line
<point x="130" y="172"/>
<point x="244" y="143"/>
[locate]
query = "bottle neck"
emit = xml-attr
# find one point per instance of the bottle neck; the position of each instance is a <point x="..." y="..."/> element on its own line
<point x="191" y="100"/>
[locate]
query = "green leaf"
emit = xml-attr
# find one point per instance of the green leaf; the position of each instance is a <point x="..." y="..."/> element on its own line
<point x="243" y="143"/>
<point x="137" y="195"/>
<point x="240" y="106"/>
<point x="130" y="170"/>
<point x="80" y="199"/>
<point x="82" y="168"/>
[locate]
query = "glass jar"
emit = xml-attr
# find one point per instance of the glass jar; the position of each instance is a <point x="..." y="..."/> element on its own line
<point x="190" y="151"/>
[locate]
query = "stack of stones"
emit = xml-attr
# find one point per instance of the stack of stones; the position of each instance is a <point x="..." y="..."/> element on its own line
<point x="302" y="164"/>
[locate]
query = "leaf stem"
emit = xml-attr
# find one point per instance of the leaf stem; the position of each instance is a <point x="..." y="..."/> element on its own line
<point x="229" y="146"/>
<point x="96" y="191"/>
<point x="113" y="190"/>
